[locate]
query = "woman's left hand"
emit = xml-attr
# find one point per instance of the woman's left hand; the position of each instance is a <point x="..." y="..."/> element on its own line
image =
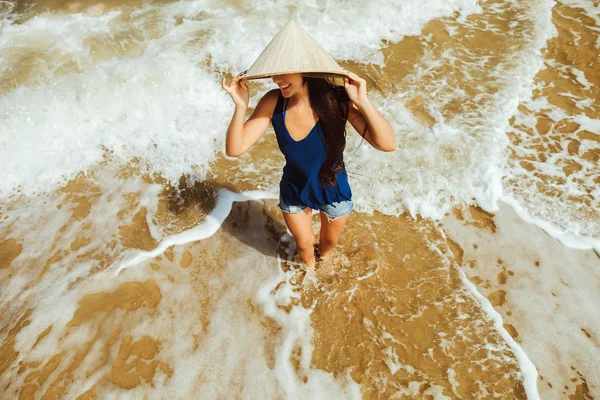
<point x="356" y="88"/>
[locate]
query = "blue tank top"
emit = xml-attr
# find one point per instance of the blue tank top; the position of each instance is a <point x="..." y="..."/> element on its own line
<point x="300" y="184"/>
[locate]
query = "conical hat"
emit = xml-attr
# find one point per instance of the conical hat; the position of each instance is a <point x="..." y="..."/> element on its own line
<point x="291" y="51"/>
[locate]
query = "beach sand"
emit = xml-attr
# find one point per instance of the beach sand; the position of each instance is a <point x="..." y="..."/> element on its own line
<point x="388" y="309"/>
<point x="137" y="261"/>
<point x="543" y="290"/>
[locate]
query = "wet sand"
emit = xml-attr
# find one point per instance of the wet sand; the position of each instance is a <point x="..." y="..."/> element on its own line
<point x="389" y="309"/>
<point x="543" y="290"/>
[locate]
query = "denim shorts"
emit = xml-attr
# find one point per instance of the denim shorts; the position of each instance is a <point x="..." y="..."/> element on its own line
<point x="332" y="211"/>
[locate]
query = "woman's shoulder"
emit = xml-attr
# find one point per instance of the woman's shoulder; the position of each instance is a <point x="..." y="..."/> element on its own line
<point x="272" y="94"/>
<point x="268" y="102"/>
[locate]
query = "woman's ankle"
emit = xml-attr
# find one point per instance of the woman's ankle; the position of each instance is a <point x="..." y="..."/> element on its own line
<point x="309" y="262"/>
<point x="318" y="256"/>
<point x="325" y="249"/>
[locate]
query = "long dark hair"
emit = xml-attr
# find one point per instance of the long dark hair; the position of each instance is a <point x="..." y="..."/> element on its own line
<point x="330" y="103"/>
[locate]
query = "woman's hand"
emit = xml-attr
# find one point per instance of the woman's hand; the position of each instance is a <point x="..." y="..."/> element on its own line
<point x="238" y="90"/>
<point x="373" y="126"/>
<point x="356" y="88"/>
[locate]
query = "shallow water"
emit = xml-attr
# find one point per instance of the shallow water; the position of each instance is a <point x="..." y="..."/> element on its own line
<point x="124" y="272"/>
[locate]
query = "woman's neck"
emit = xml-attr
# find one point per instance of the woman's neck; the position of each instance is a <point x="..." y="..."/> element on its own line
<point x="300" y="99"/>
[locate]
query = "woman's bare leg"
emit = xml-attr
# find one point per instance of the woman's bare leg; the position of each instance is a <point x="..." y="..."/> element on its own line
<point x="330" y="233"/>
<point x="300" y="225"/>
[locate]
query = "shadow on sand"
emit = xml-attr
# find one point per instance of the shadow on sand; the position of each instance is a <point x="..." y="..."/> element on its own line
<point x="255" y="223"/>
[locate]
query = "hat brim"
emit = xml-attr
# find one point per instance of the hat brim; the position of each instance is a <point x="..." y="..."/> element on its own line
<point x="312" y="74"/>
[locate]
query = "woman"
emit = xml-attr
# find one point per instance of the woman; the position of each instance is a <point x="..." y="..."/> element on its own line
<point x="309" y="117"/>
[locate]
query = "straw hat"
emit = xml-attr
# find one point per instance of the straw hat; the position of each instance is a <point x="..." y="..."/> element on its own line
<point x="291" y="51"/>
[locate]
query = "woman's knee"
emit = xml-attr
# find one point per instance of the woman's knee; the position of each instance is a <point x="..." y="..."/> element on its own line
<point x="304" y="243"/>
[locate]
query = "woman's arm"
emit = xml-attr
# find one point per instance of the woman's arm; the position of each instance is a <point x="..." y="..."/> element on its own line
<point x="367" y="121"/>
<point x="370" y="124"/>
<point x="234" y="138"/>
<point x="241" y="136"/>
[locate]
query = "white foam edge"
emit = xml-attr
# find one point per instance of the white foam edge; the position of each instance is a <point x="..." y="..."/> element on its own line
<point x="297" y="325"/>
<point x="528" y="370"/>
<point x="204" y="230"/>
<point x="284" y="371"/>
<point x="566" y="238"/>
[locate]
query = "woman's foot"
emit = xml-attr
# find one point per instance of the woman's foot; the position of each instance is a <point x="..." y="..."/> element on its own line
<point x="310" y="276"/>
<point x="297" y="263"/>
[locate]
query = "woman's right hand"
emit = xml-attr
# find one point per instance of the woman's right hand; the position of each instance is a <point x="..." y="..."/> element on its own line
<point x="238" y="90"/>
